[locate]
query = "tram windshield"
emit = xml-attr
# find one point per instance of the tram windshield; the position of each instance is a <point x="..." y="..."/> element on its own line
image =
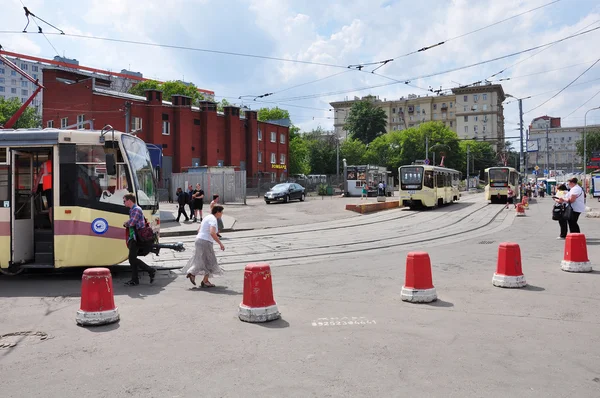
<point x="411" y="177"/>
<point x="141" y="171"/>
<point x="498" y="177"/>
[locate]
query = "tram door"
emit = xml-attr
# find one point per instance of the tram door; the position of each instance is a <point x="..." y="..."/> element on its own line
<point x="22" y="199"/>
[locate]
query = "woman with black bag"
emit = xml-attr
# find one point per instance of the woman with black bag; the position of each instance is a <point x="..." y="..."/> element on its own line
<point x="559" y="209"/>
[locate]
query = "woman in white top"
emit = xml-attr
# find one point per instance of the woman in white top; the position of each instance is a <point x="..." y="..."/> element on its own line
<point x="575" y="199"/>
<point x="204" y="260"/>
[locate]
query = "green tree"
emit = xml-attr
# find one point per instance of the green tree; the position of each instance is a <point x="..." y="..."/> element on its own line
<point x="169" y="89"/>
<point x="299" y="162"/>
<point x="222" y="104"/>
<point x="444" y="141"/>
<point x="28" y="119"/>
<point x="481" y="156"/>
<point x="322" y="151"/>
<point x="366" y="121"/>
<point x="276" y="113"/>
<point x="353" y="151"/>
<point x="592" y="139"/>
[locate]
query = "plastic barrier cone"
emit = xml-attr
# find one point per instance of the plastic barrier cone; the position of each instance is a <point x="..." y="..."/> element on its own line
<point x="258" y="304"/>
<point x="509" y="272"/>
<point x="525" y="202"/>
<point x="520" y="210"/>
<point x="576" y="257"/>
<point x="97" y="299"/>
<point x="418" y="286"/>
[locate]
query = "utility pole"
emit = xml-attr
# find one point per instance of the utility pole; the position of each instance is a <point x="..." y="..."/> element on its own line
<point x="547" y="148"/>
<point x="526" y="155"/>
<point x="521" y="161"/>
<point x="467" y="179"/>
<point x="337" y="152"/>
<point x="127" y="117"/>
<point x="426" y="147"/>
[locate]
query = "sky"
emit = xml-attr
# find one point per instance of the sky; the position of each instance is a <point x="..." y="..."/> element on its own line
<point x="326" y="37"/>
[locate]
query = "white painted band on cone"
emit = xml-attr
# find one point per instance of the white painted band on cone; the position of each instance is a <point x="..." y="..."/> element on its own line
<point x="418" y="295"/>
<point x="97" y="318"/>
<point x="509" y="281"/>
<point x="572" y="266"/>
<point x="257" y="315"/>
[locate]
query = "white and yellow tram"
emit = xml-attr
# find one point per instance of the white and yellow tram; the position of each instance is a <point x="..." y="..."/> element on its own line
<point x="498" y="180"/>
<point x="428" y="186"/>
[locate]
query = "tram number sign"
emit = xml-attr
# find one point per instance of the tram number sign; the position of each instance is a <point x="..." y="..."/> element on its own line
<point x="6" y="204"/>
<point x="411" y="192"/>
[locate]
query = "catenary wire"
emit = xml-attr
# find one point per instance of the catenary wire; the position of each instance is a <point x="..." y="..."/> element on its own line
<point x="582" y="105"/>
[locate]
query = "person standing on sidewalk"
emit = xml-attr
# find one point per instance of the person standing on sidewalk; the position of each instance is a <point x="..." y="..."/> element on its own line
<point x="190" y="192"/>
<point x="575" y="199"/>
<point x="198" y="198"/>
<point x="136" y="221"/>
<point x="181" y="202"/>
<point x="204" y="261"/>
<point x="559" y="208"/>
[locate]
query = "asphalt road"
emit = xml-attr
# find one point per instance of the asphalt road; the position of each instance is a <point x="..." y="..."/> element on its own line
<point x="344" y="331"/>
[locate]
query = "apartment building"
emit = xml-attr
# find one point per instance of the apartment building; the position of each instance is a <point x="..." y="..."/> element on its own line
<point x="474" y="112"/>
<point x="552" y="147"/>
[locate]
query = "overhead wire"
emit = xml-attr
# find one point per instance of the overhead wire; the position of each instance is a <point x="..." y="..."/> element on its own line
<point x="564" y="88"/>
<point x="582" y="105"/>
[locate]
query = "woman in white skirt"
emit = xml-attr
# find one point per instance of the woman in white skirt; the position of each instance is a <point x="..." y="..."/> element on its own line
<point x="204" y="260"/>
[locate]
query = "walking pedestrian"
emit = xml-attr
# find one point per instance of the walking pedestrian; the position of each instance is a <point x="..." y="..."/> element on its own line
<point x="181" y="202"/>
<point x="215" y="202"/>
<point x="190" y="192"/>
<point x="559" y="209"/>
<point x="198" y="198"/>
<point x="510" y="198"/>
<point x="136" y="222"/>
<point x="574" y="198"/>
<point x="204" y="261"/>
<point x="364" y="193"/>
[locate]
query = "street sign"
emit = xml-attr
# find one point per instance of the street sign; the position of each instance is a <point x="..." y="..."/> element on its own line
<point x="537" y="168"/>
<point x="535" y="172"/>
<point x="426" y="161"/>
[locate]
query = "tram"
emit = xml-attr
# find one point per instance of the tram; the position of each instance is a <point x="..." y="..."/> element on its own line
<point x="498" y="180"/>
<point x="428" y="186"/>
<point x="62" y="196"/>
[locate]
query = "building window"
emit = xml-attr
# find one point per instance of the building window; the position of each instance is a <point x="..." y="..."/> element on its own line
<point x="24" y="84"/>
<point x="476" y="118"/>
<point x="273" y="177"/>
<point x="484" y="97"/>
<point x="393" y="110"/>
<point x="136" y="124"/>
<point x="165" y="116"/>
<point x="464" y="108"/>
<point x="34" y="68"/>
<point x="282" y="138"/>
<point x="64" y="122"/>
<point x="466" y="98"/>
<point x="451" y="123"/>
<point x="24" y="66"/>
<point x="475" y="128"/>
<point x="394" y="128"/>
<point x="273" y="157"/>
<point x="13" y="82"/>
<point x="1" y="71"/>
<point x="474" y="107"/>
<point x="466" y="129"/>
<point x="24" y="92"/>
<point x="282" y="158"/>
<point x="466" y="118"/>
<point x="196" y="122"/>
<point x="13" y="73"/>
<point x="475" y="97"/>
<point x="23" y="100"/>
<point x="485" y="107"/>
<point x="483" y="128"/>
<point x="435" y="116"/>
<point x="80" y="119"/>
<point x="435" y="106"/>
<point x="35" y="76"/>
<point x="273" y="136"/>
<point x="259" y="157"/>
<point x="13" y="90"/>
<point x="1" y="89"/>
<point x="259" y="135"/>
<point x="50" y="124"/>
<point x="2" y="80"/>
<point x="450" y="104"/>
<point x="166" y="127"/>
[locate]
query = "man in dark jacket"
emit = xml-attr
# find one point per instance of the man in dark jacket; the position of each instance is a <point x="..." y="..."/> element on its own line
<point x="190" y="202"/>
<point x="181" y="202"/>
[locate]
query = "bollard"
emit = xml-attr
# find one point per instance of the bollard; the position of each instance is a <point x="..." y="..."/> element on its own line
<point x="509" y="272"/>
<point x="97" y="299"/>
<point x="418" y="285"/>
<point x="258" y="304"/>
<point x="525" y="202"/>
<point x="520" y="210"/>
<point x="576" y="257"/>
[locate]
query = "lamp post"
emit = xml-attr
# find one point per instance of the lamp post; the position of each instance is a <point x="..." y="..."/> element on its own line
<point x="585" y="151"/>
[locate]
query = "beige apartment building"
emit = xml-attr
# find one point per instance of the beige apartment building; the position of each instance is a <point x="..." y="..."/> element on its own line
<point x="473" y="112"/>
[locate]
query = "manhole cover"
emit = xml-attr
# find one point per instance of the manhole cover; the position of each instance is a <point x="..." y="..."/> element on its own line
<point x="486" y="242"/>
<point x="11" y="340"/>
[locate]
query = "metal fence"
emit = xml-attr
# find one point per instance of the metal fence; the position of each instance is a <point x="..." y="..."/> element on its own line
<point x="230" y="186"/>
<point x="258" y="186"/>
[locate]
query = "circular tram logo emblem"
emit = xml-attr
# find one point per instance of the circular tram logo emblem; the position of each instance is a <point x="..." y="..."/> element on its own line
<point x="99" y="226"/>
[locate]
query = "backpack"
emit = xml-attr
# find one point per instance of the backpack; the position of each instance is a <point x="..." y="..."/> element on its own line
<point x="558" y="211"/>
<point x="145" y="234"/>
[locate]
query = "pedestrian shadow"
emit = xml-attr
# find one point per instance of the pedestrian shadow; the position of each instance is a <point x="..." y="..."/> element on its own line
<point x="440" y="303"/>
<point x="534" y="288"/>
<point x="276" y="324"/>
<point x="216" y="290"/>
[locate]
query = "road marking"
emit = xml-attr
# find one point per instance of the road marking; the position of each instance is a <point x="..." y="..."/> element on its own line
<point x="343" y="321"/>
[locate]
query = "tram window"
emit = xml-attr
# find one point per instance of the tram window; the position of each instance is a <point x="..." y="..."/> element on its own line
<point x="90" y="154"/>
<point x="439" y="180"/>
<point x="428" y="180"/>
<point x="4" y="184"/>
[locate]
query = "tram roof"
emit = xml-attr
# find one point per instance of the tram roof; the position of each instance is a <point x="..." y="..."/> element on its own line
<point x="50" y="136"/>
<point x="501" y="167"/>
<point x="431" y="167"/>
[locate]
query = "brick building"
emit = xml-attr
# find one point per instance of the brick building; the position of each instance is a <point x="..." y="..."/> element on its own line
<point x="188" y="135"/>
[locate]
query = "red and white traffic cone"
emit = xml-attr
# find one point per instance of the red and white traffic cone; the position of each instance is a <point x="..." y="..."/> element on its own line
<point x="418" y="285"/>
<point x="520" y="210"/>
<point x="576" y="257"/>
<point x="509" y="272"/>
<point x="258" y="304"/>
<point x="97" y="298"/>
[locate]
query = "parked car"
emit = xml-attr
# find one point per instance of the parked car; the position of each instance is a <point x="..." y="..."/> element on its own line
<point x="285" y="193"/>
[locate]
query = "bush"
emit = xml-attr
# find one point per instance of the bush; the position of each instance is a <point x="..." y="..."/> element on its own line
<point x="322" y="189"/>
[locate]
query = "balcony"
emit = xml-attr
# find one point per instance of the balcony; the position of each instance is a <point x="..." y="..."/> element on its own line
<point x="444" y="107"/>
<point x="411" y="109"/>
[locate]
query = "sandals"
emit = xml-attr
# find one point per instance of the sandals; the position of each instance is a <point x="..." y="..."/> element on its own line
<point x="192" y="279"/>
<point x="203" y="284"/>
